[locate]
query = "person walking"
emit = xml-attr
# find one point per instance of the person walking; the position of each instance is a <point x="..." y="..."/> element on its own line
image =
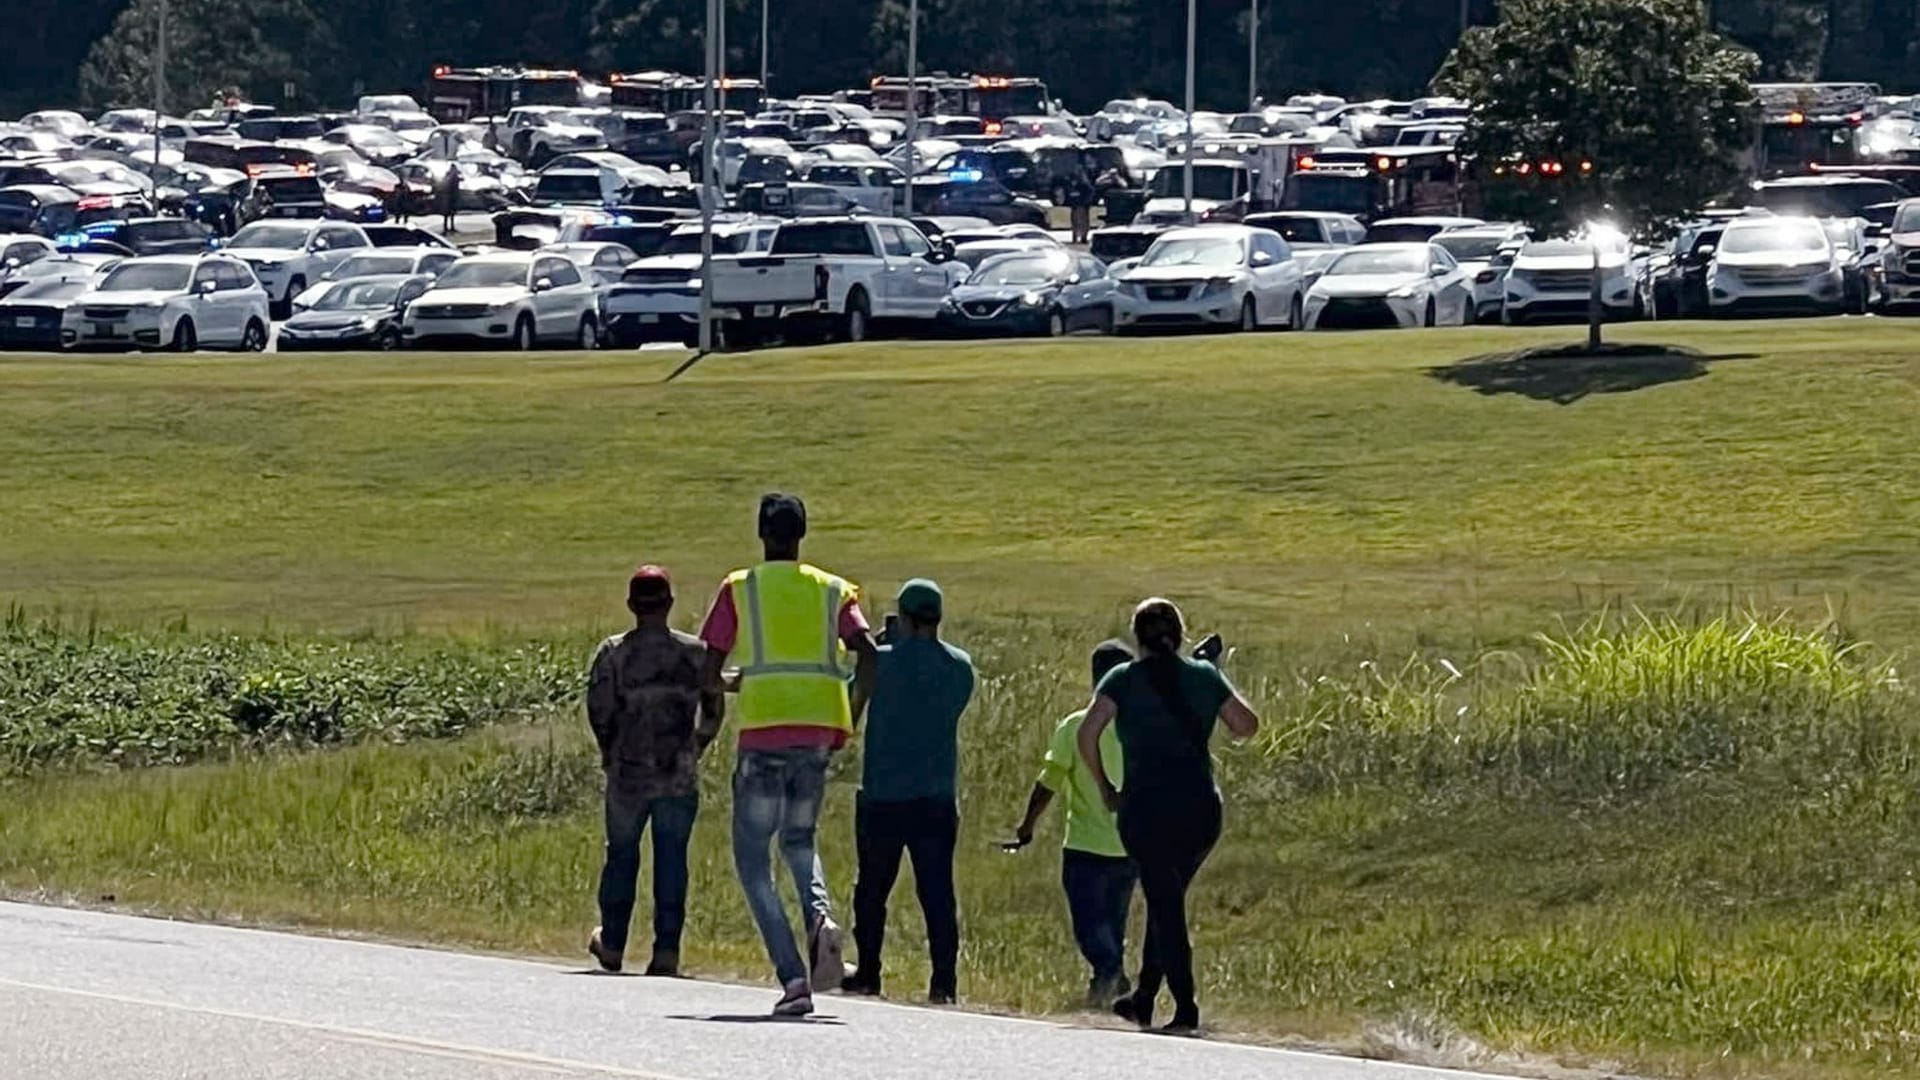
<point x="1095" y="871"/>
<point x="1163" y="707"/>
<point x="654" y="706"/>
<point x="1080" y="197"/>
<point x="908" y="801"/>
<point x="449" y="197"/>
<point x="793" y="625"/>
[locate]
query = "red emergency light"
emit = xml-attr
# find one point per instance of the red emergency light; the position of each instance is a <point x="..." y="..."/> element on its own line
<point x="996" y="82"/>
<point x="1306" y="162"/>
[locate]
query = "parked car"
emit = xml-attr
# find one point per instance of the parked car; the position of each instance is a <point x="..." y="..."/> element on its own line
<point x="353" y="313"/>
<point x="1860" y="265"/>
<point x="45" y="209"/>
<point x="1391" y="285"/>
<point x="379" y="145"/>
<point x="658" y="296"/>
<point x="1677" y="284"/>
<point x="1220" y="276"/>
<point x="1900" y="259"/>
<point x="1406" y="230"/>
<point x="834" y="276"/>
<point x="1485" y="254"/>
<point x="973" y="253"/>
<point x="517" y="299"/>
<point x="20" y="251"/>
<point x="1823" y="196"/>
<point x="872" y="186"/>
<point x="30" y="315"/>
<point x="177" y="302"/>
<point x="149" y="236"/>
<point x="1306" y="230"/>
<point x="82" y="266"/>
<point x="1042" y="292"/>
<point x="534" y="133"/>
<point x="1775" y="265"/>
<point x="1553" y="280"/>
<point x="426" y="263"/>
<point x="289" y="255"/>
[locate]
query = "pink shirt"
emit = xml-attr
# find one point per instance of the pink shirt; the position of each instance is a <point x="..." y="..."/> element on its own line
<point x="721" y="632"/>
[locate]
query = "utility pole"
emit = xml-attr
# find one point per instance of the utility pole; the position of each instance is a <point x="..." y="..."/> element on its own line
<point x="913" y="97"/>
<point x="159" y="88"/>
<point x="1466" y="16"/>
<point x="1186" y="168"/>
<point x="709" y="178"/>
<point x="763" y="48"/>
<point x="1253" y="54"/>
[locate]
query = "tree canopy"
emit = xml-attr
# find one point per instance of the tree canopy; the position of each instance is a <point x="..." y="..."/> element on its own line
<point x="1628" y="110"/>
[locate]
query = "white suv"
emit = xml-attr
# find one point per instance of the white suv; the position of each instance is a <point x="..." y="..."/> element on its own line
<point x="177" y="302"/>
<point x="536" y="133"/>
<point x="1224" y="276"/>
<point x="288" y="256"/>
<point x="1553" y="280"/>
<point x="513" y="299"/>
<point x="1775" y="264"/>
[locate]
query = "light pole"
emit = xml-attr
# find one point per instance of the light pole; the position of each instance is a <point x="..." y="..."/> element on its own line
<point x="1186" y="169"/>
<point x="1253" y="54"/>
<point x="159" y="89"/>
<point x="709" y="180"/>
<point x="913" y="95"/>
<point x="763" y="49"/>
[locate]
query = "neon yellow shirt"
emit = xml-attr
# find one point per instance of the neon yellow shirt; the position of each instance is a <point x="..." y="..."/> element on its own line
<point x="1090" y="826"/>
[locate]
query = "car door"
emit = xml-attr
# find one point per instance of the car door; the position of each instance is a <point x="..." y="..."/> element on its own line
<point x="562" y="306"/>
<point x="1276" y="277"/>
<point x="927" y="282"/>
<point x="893" y="293"/>
<point x="1088" y="296"/>
<point x="240" y="295"/>
<point x="211" y="320"/>
<point x="1453" y="298"/>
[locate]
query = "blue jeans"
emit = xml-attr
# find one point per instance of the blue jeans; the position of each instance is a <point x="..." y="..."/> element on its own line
<point x="627" y="817"/>
<point x="1099" y="892"/>
<point x="777" y="793"/>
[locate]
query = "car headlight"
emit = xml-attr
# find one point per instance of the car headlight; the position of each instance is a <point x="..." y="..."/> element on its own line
<point x="1128" y="288"/>
<point x="1216" y="287"/>
<point x="371" y="322"/>
<point x="1032" y="299"/>
<point x="1405" y="292"/>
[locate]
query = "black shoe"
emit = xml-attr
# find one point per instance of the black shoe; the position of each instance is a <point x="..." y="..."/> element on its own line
<point x="609" y="960"/>
<point x="941" y="995"/>
<point x="664" y="965"/>
<point x="1102" y="992"/>
<point x="1185" y="1022"/>
<point x="1134" y="1011"/>
<point x="861" y="984"/>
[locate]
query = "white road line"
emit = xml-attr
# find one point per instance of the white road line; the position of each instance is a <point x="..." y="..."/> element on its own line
<point x="435" y="1047"/>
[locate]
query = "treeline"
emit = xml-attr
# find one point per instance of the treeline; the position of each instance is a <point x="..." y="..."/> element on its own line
<point x="98" y="52"/>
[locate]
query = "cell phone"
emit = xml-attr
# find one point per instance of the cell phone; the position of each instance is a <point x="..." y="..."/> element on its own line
<point x="889" y="628"/>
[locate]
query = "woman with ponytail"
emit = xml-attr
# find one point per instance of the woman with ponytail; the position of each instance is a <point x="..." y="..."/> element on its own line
<point x="1163" y="707"/>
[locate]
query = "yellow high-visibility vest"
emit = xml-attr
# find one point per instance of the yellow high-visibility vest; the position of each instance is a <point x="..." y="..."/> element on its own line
<point x="792" y="663"/>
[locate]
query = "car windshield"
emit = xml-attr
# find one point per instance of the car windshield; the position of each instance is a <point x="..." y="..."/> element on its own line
<point x="1379" y="261"/>
<point x="1776" y="236"/>
<point x="358" y="296"/>
<point x="144" y="277"/>
<point x="1468" y="247"/>
<point x="49" y="290"/>
<point x="262" y="235"/>
<point x="369" y="265"/>
<point x="1194" y="251"/>
<point x="483" y="275"/>
<point x="58" y="267"/>
<point x="1017" y="270"/>
<point x="688" y="243"/>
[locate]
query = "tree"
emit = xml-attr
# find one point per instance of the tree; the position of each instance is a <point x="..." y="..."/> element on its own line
<point x="1640" y="111"/>
<point x="254" y="46"/>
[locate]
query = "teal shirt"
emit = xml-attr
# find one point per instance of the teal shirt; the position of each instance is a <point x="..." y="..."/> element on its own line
<point x="1163" y="743"/>
<point x="913" y="722"/>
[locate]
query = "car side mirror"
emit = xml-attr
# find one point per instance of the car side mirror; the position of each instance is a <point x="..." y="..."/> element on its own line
<point x="1073" y="279"/>
<point x="1437" y="271"/>
<point x="542" y="284"/>
<point x="319" y="244"/>
<point x="1261" y="258"/>
<point x="206" y="287"/>
<point x="1705" y="252"/>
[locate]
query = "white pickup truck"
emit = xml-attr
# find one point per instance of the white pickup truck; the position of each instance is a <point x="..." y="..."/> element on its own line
<point x="833" y="276"/>
<point x="658" y="297"/>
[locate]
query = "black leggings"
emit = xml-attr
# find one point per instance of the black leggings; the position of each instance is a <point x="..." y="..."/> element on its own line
<point x="1169" y="835"/>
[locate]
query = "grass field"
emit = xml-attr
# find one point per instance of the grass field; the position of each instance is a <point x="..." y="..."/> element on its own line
<point x="1683" y="847"/>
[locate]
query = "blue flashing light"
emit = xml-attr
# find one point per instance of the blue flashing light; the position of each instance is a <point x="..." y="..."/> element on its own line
<point x="69" y="241"/>
<point x="966" y="176"/>
<point x="622" y="219"/>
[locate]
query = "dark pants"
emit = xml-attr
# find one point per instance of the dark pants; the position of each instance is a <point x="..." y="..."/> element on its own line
<point x="627" y="817"/>
<point x="1099" y="892"/>
<point x="1169" y="834"/>
<point x="926" y="829"/>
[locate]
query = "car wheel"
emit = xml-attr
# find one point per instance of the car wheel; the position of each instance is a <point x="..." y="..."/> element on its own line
<point x="184" y="339"/>
<point x="1297" y="313"/>
<point x="389" y="340"/>
<point x="1056" y="323"/>
<point x="1249" y="318"/>
<point x="854" y="324"/>
<point x="523" y="334"/>
<point x="254" y="337"/>
<point x="588" y="338"/>
<point x="1432" y="316"/>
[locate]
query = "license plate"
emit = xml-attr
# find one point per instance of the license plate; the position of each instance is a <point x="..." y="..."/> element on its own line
<point x="649" y="318"/>
<point x="27" y="321"/>
<point x="105" y="329"/>
<point x="763" y="311"/>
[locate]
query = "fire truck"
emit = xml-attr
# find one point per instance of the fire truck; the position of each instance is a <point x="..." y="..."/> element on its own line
<point x="456" y="95"/>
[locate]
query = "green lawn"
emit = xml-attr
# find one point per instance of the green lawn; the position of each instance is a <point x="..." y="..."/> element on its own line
<point x="1684" y="871"/>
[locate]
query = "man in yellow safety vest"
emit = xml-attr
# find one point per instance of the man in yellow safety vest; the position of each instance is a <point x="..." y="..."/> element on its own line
<point x="789" y="627"/>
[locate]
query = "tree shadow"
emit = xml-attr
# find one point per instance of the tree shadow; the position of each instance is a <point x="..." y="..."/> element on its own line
<point x="1563" y="374"/>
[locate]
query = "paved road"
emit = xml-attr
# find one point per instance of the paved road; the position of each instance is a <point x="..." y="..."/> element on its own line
<point x="88" y="995"/>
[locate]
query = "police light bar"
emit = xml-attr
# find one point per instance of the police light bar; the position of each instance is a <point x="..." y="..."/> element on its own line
<point x="997" y="82"/>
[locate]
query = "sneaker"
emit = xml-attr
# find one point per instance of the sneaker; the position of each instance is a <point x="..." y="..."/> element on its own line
<point x="664" y="965"/>
<point x="1102" y="992"/>
<point x="941" y="995"/>
<point x="609" y="960"/>
<point x="828" y="953"/>
<point x="860" y="983"/>
<point x="798" y="1000"/>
